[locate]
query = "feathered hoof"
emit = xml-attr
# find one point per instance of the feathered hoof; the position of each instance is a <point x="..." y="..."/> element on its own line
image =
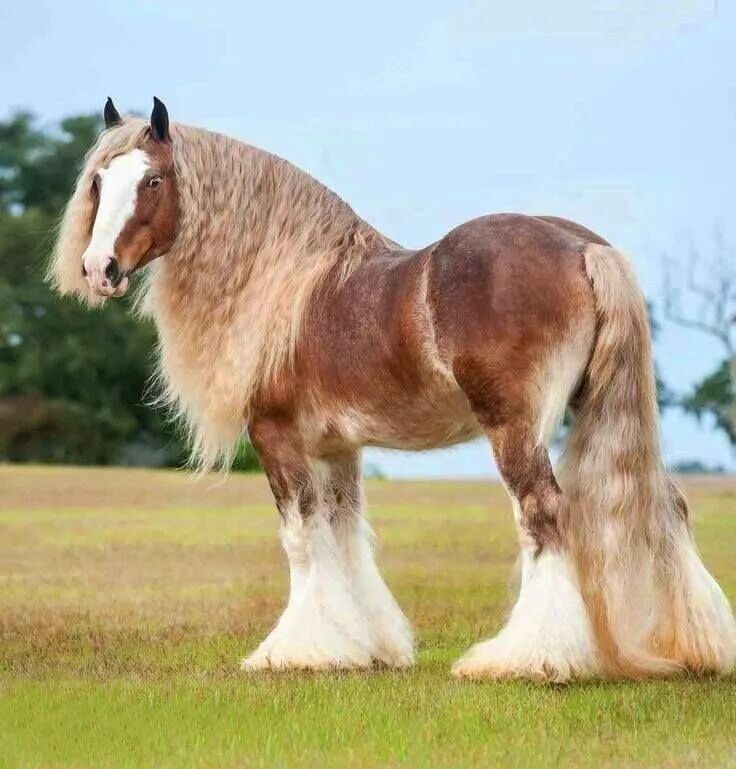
<point x="548" y="636"/>
<point x="497" y="659"/>
<point x="396" y="659"/>
<point x="317" y="659"/>
<point x="286" y="656"/>
<point x="313" y="642"/>
<point x="397" y="652"/>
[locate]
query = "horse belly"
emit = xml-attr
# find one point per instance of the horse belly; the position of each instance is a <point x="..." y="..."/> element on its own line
<point x="443" y="419"/>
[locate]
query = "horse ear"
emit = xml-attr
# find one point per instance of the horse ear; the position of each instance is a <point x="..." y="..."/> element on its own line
<point x="160" y="121"/>
<point x="112" y="116"/>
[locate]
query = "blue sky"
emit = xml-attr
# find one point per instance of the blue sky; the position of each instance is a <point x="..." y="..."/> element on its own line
<point x="621" y="115"/>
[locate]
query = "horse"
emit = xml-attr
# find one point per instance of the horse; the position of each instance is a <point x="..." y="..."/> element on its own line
<point x="284" y="317"/>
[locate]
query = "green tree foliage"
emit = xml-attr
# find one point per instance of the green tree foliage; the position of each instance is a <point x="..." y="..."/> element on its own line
<point x="715" y="396"/>
<point x="72" y="381"/>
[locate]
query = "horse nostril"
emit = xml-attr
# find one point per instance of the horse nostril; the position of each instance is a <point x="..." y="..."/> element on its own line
<point x="113" y="273"/>
<point x="112" y="268"/>
<point x="84" y="271"/>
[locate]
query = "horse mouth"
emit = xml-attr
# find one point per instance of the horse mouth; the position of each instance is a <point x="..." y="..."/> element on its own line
<point x="113" y="290"/>
<point x="122" y="286"/>
<point x="118" y="279"/>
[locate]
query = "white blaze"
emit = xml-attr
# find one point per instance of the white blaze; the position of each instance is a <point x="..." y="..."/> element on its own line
<point x="118" y="187"/>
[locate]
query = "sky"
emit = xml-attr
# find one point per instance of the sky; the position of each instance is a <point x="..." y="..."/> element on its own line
<point x="422" y="115"/>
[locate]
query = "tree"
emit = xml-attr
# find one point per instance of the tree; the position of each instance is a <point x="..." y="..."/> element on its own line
<point x="72" y="381"/>
<point x="707" y="286"/>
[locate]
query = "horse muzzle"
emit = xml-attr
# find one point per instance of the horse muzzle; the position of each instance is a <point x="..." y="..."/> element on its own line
<point x="105" y="276"/>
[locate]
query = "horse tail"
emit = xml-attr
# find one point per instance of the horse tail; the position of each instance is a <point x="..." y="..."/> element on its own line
<point x="653" y="606"/>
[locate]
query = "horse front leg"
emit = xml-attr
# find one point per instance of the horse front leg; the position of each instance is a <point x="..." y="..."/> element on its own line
<point x="355" y="540"/>
<point x="323" y="625"/>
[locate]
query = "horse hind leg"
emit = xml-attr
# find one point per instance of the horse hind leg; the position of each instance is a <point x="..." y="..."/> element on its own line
<point x="548" y="635"/>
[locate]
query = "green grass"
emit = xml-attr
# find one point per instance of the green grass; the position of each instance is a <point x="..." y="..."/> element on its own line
<point x="127" y="598"/>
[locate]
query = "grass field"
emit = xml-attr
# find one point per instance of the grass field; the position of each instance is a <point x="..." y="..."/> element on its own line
<point x="127" y="598"/>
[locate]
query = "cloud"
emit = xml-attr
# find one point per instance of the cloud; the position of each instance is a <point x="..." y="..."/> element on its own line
<point x="635" y="21"/>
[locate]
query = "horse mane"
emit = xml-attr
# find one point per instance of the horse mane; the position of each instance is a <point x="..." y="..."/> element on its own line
<point x="256" y="237"/>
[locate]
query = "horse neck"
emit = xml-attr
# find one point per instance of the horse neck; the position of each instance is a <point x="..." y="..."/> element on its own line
<point x="247" y="215"/>
<point x="230" y="297"/>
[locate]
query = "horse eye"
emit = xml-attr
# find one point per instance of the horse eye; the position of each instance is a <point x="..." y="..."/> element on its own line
<point x="154" y="181"/>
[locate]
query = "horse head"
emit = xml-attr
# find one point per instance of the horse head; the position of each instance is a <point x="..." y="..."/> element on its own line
<point x="135" y="205"/>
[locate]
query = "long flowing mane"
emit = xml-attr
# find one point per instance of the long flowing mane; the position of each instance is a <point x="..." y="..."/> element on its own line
<point x="256" y="237"/>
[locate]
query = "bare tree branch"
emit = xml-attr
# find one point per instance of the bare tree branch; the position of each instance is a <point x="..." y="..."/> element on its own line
<point x="699" y="325"/>
<point x="707" y="286"/>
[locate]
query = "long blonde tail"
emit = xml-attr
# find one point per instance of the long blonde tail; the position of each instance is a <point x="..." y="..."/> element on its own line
<point x="653" y="606"/>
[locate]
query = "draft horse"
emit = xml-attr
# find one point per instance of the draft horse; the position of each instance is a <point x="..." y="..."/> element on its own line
<point x="281" y="313"/>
